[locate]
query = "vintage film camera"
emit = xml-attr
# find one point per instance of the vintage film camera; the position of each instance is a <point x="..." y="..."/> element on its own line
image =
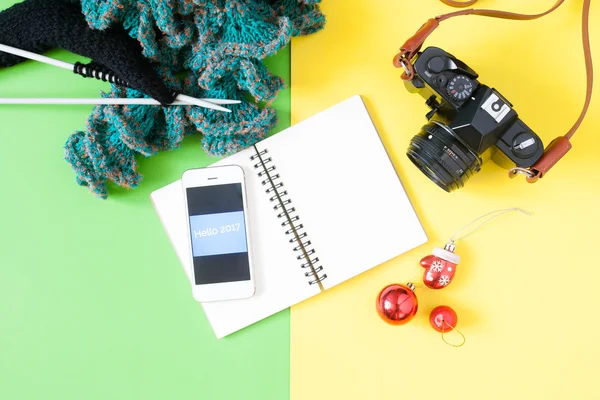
<point x="468" y="123"/>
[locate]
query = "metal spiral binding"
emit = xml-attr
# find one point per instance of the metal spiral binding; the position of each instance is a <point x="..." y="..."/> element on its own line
<point x="96" y="71"/>
<point x="288" y="211"/>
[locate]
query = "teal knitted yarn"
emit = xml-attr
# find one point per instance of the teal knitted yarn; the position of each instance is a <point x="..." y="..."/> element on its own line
<point x="203" y="48"/>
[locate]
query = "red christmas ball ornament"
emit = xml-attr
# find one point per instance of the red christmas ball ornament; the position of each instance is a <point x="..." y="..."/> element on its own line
<point x="397" y="304"/>
<point x="443" y="319"/>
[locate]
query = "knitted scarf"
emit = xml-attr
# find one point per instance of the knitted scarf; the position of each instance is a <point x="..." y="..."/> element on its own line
<point x="203" y="48"/>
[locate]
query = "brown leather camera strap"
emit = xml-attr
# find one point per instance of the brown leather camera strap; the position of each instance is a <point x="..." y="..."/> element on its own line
<point x="559" y="146"/>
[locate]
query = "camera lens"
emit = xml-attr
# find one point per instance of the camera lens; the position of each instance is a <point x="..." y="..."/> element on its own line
<point x="441" y="155"/>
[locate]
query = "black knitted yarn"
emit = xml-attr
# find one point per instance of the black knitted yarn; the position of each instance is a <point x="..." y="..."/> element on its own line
<point x="40" y="25"/>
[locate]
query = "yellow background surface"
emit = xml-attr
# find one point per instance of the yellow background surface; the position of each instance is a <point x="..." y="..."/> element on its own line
<point x="526" y="290"/>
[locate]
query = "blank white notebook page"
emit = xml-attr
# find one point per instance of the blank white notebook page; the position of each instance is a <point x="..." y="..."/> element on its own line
<point x="345" y="191"/>
<point x="346" y="194"/>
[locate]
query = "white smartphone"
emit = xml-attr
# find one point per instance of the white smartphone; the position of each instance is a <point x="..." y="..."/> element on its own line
<point x="215" y="203"/>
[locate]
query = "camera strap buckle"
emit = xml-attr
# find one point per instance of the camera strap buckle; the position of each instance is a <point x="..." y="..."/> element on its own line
<point x="402" y="60"/>
<point x="529" y="174"/>
<point x="408" y="69"/>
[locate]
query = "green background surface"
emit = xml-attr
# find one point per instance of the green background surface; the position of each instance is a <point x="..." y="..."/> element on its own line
<point x="93" y="301"/>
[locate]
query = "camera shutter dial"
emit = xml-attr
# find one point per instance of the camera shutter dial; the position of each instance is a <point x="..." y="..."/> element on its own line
<point x="460" y="88"/>
<point x="525" y="145"/>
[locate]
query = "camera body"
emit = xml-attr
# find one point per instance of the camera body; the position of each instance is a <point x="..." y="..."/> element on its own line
<point x="467" y="119"/>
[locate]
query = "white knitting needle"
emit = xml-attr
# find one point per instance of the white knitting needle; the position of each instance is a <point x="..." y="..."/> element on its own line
<point x="103" y="101"/>
<point x="70" y="67"/>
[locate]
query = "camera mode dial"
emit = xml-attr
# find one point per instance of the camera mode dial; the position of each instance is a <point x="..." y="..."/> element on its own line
<point x="460" y="88"/>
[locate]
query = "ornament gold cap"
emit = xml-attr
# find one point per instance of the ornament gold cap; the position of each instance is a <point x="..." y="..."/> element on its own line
<point x="450" y="246"/>
<point x="411" y="286"/>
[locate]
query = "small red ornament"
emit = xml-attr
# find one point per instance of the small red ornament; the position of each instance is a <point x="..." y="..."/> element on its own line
<point x="397" y="304"/>
<point x="443" y="319"/>
<point x="440" y="267"/>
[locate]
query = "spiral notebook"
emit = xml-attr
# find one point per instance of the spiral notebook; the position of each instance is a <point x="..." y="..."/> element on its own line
<point x="347" y="212"/>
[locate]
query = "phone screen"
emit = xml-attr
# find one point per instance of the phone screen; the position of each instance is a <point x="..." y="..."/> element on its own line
<point x="218" y="233"/>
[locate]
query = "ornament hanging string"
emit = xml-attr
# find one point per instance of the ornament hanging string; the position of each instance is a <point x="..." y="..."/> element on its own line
<point x="452" y="328"/>
<point x="484" y="220"/>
